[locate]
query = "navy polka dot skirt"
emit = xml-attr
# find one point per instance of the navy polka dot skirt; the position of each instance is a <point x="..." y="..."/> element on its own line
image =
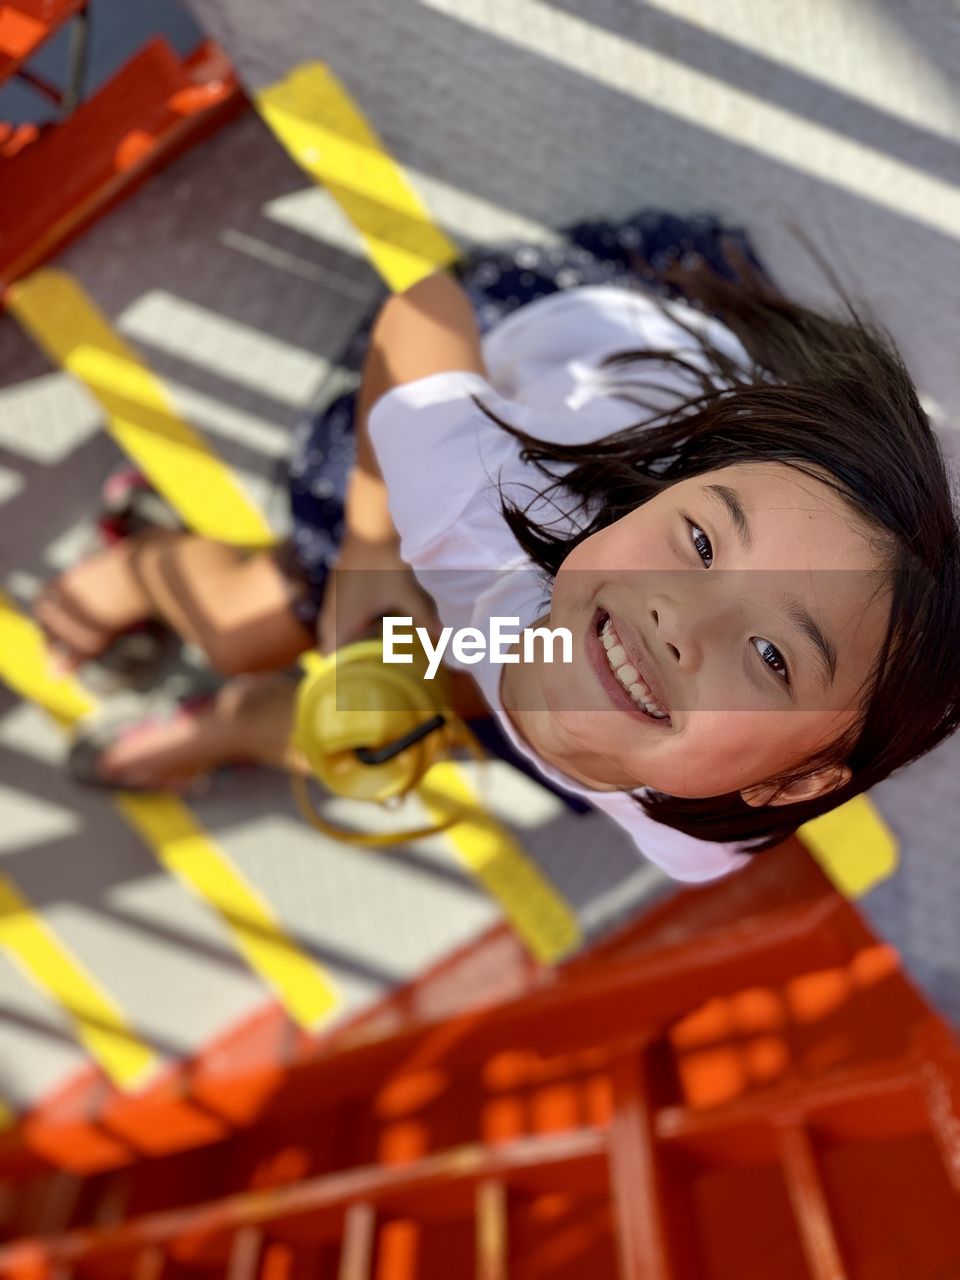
<point x="498" y="280"/>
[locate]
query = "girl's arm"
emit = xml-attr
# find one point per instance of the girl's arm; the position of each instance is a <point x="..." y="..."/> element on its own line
<point x="428" y="329"/>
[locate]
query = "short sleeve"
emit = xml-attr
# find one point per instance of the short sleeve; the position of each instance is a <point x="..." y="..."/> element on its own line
<point x="433" y="445"/>
<point x="574" y="331"/>
<point x="683" y="857"/>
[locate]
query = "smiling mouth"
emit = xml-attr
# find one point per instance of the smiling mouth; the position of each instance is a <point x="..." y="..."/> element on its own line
<point x="626" y="675"/>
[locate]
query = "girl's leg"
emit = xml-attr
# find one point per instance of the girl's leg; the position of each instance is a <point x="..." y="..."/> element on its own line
<point x="234" y="604"/>
<point x="251" y="719"/>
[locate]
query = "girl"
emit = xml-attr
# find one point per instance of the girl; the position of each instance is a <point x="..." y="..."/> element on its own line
<point x="735" y="505"/>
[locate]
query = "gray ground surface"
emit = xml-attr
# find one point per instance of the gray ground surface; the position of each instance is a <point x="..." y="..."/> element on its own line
<point x="239" y="282"/>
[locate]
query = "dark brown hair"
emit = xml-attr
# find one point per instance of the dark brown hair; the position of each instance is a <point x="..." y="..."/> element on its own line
<point x="830" y="397"/>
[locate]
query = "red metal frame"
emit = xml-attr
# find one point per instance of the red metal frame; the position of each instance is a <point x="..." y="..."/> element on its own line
<point x="63" y="176"/>
<point x="25" y="25"/>
<point x="589" y="1124"/>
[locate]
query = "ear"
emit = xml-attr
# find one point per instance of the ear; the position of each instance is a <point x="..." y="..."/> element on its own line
<point x="819" y="783"/>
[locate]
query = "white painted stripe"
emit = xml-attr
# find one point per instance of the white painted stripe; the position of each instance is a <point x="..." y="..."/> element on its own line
<point x="234" y="351"/>
<point x="710" y="105"/>
<point x="11" y="483"/>
<point x="614" y="903"/>
<point x="212" y="415"/>
<point x="853" y="48"/>
<point x="46" y="418"/>
<point x="313" y="212"/>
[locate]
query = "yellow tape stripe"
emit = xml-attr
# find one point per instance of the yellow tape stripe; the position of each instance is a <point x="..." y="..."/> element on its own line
<point x="318" y="123"/>
<point x="26" y="667"/>
<point x="542" y="918"/>
<point x="97" y="1020"/>
<point x="176" y="841"/>
<point x="854" y="845"/>
<point x="66" y="323"/>
<point x="188" y="853"/>
<point x="8" y="1116"/>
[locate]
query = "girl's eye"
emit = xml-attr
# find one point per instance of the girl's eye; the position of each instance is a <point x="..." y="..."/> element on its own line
<point x="768" y="652"/>
<point x="772" y="657"/>
<point x="702" y="544"/>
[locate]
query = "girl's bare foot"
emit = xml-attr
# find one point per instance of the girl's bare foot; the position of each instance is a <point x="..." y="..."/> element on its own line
<point x="84" y="610"/>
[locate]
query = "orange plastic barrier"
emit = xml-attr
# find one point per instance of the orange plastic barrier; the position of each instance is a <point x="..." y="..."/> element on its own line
<point x="743" y="1084"/>
<point x="71" y="172"/>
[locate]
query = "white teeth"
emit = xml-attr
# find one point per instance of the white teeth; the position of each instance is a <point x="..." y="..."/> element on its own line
<point x="627" y="675"/>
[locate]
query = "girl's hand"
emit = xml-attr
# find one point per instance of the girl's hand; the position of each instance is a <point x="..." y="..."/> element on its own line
<point x="369" y="581"/>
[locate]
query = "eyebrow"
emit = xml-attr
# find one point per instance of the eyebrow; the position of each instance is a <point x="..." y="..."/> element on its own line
<point x="801" y="617"/>
<point x="807" y="624"/>
<point x="730" y="500"/>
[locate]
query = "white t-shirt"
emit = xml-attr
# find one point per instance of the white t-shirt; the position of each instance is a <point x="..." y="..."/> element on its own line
<point x="442" y="459"/>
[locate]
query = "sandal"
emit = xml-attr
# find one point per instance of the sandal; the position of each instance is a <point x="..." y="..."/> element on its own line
<point x="132" y="657"/>
<point x="129" y="504"/>
<point x="85" y="757"/>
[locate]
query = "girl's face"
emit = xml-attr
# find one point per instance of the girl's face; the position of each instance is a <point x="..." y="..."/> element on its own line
<point x="744" y="608"/>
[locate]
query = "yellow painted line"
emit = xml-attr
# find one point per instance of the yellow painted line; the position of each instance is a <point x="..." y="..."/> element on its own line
<point x="544" y="921"/>
<point x="321" y="127"/>
<point x="98" y="1022"/>
<point x="854" y="845"/>
<point x="180" y="844"/>
<point x="188" y="853"/>
<point x="8" y="1116"/>
<point x="68" y="325"/>
<point x="26" y="667"/>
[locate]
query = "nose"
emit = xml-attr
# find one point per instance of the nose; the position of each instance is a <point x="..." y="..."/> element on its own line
<point x="679" y="631"/>
<point x="674" y="651"/>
